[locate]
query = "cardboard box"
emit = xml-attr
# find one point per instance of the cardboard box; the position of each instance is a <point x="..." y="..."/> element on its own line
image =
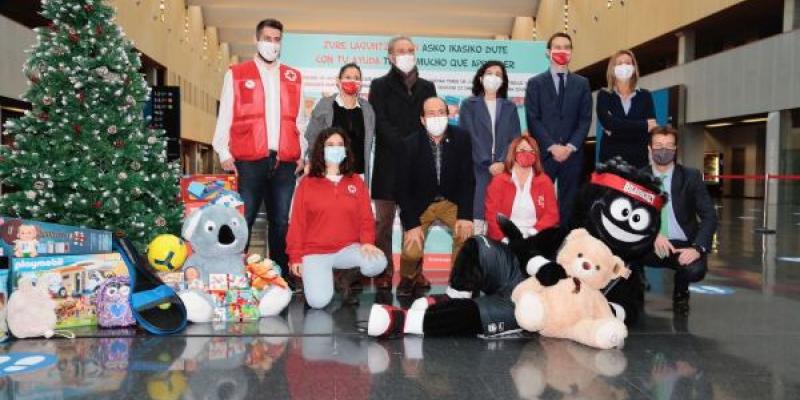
<point x="205" y="188"/>
<point x="234" y="300"/>
<point x="72" y="281"/>
<point x="25" y="238"/>
<point x="189" y="207"/>
<point x="173" y="279"/>
<point x="3" y="300"/>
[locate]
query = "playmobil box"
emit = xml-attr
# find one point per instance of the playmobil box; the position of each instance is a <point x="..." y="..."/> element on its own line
<point x="24" y="238"/>
<point x="205" y="188"/>
<point x="71" y="280"/>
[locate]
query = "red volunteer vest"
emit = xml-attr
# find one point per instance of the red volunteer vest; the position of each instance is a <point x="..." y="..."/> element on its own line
<point x="248" y="134"/>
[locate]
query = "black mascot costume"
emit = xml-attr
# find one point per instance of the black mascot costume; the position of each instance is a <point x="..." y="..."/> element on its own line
<point x="620" y="206"/>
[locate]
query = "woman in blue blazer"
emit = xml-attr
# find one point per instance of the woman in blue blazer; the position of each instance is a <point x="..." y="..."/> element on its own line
<point x="626" y="112"/>
<point x="493" y="122"/>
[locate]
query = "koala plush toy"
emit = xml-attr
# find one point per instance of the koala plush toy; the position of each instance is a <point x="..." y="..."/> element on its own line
<point x="218" y="234"/>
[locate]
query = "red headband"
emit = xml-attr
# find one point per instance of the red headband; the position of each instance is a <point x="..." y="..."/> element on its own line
<point x="632" y="189"/>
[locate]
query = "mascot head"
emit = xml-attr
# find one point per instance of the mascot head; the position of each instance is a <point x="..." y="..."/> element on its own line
<point x="624" y="208"/>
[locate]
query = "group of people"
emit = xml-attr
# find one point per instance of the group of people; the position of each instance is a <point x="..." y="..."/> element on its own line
<point x="363" y="160"/>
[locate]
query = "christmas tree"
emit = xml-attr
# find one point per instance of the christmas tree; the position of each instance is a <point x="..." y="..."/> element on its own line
<point x="84" y="155"/>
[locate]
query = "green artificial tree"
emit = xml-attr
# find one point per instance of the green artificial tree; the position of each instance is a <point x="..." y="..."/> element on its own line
<point x="84" y="155"/>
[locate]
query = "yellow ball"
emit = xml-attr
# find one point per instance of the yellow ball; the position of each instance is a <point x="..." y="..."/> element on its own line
<point x="167" y="253"/>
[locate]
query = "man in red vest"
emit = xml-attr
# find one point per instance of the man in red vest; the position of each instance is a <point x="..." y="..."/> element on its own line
<point x="258" y="134"/>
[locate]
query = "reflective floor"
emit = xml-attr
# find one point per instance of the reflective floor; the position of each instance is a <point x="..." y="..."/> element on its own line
<point x="739" y="342"/>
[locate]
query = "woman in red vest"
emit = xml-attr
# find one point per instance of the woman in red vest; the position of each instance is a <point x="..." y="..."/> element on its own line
<point x="523" y="192"/>
<point x="331" y="224"/>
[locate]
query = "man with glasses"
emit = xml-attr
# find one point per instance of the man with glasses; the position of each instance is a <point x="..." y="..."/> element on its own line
<point x="397" y="100"/>
<point x="436" y="182"/>
<point x="258" y="135"/>
<point x="688" y="219"/>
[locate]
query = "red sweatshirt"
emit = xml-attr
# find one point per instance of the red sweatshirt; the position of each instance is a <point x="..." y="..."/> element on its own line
<point x="328" y="216"/>
<point x="500" y="197"/>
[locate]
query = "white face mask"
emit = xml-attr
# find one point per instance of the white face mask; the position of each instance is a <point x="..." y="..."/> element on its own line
<point x="405" y="62"/>
<point x="436" y="125"/>
<point x="623" y="72"/>
<point x="269" y="50"/>
<point x="492" y="82"/>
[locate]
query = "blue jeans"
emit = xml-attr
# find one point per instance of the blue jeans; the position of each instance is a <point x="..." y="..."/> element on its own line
<point x="272" y="183"/>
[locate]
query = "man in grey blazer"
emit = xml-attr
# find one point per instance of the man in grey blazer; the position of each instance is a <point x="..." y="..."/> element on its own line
<point x="558" y="107"/>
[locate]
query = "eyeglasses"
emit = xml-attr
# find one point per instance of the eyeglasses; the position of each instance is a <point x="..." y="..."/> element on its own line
<point x="657" y="147"/>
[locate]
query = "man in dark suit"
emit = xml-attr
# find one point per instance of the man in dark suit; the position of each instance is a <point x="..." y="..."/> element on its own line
<point x="397" y="98"/>
<point x="558" y="106"/>
<point x="688" y="219"/>
<point x="435" y="182"/>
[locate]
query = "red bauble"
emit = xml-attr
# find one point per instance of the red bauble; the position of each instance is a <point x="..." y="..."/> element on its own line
<point x="119" y="143"/>
<point x="52" y="27"/>
<point x="77" y="129"/>
<point x="99" y="30"/>
<point x="43" y="116"/>
<point x="88" y="8"/>
<point x="98" y="204"/>
<point x="73" y="36"/>
<point x="81" y="97"/>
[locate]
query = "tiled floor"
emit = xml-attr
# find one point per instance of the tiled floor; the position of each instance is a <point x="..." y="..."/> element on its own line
<point x="741" y="340"/>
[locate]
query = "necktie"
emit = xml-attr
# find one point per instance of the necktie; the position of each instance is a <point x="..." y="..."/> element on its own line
<point x="664" y="231"/>
<point x="560" y="89"/>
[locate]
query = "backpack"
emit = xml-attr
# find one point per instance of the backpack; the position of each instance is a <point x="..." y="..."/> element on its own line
<point x="113" y="304"/>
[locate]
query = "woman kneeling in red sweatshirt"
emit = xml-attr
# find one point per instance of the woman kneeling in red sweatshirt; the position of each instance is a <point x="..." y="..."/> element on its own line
<point x="331" y="224"/>
<point x="523" y="193"/>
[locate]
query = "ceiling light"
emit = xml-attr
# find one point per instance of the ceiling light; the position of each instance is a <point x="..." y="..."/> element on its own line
<point x="719" y="124"/>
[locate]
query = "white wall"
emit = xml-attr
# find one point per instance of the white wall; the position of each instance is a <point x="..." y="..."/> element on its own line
<point x="15" y="40"/>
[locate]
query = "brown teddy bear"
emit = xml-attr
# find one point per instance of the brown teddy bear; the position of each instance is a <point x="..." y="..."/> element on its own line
<point x="574" y="308"/>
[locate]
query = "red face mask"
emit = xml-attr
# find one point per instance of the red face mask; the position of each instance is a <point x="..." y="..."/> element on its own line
<point x="350" y="88"/>
<point x="560" y="57"/>
<point x="525" y="159"/>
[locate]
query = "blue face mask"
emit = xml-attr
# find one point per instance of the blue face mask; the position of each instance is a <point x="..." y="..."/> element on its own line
<point x="335" y="154"/>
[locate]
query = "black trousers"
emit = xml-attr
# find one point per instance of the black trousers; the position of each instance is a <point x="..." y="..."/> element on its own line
<point x="684" y="275"/>
<point x="270" y="182"/>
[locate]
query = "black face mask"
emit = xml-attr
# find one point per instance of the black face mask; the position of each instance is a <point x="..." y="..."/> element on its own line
<point x="663" y="156"/>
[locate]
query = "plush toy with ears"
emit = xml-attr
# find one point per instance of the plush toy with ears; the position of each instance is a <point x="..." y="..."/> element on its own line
<point x="573" y="307"/>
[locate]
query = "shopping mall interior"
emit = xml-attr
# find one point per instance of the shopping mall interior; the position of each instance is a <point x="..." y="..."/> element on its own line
<point x="727" y="73"/>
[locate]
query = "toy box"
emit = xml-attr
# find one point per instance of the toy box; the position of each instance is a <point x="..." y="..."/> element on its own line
<point x="189" y="207"/>
<point x="235" y="305"/>
<point x="71" y="281"/>
<point x="173" y="279"/>
<point x="205" y="188"/>
<point x="3" y="301"/>
<point x="24" y="238"/>
<point x="234" y="300"/>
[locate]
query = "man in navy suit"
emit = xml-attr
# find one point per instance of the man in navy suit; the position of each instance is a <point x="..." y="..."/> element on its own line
<point x="558" y="106"/>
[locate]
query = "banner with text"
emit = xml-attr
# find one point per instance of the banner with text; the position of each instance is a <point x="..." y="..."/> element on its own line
<point x="449" y="63"/>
